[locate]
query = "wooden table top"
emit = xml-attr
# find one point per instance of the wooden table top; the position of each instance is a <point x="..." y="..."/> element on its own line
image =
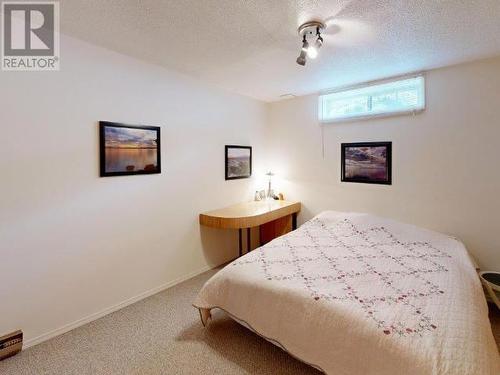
<point x="249" y="214"/>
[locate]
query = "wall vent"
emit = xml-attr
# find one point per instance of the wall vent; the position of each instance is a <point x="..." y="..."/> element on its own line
<point x="11" y="344"/>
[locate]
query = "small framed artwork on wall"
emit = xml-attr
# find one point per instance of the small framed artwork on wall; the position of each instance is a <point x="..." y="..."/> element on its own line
<point x="368" y="162"/>
<point x="238" y="162"/>
<point x="128" y="150"/>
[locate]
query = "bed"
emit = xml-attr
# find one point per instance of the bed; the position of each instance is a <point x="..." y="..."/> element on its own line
<point x="353" y="293"/>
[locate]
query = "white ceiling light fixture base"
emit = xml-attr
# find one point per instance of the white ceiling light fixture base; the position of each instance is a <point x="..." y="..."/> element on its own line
<point x="310" y="30"/>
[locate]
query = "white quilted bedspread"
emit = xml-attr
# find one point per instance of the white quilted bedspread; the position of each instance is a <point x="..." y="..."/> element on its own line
<point x="358" y="294"/>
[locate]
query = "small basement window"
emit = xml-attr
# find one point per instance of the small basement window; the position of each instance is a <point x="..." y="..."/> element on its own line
<point x="399" y="96"/>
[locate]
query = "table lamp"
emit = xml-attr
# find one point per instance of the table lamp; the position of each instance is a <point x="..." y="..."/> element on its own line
<point x="269" y="190"/>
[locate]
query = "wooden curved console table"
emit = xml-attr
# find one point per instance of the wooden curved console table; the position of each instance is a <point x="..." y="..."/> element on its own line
<point x="274" y="218"/>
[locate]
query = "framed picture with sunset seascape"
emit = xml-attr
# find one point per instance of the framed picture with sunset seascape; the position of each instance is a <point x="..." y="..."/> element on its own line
<point x="368" y="162"/>
<point x="128" y="150"/>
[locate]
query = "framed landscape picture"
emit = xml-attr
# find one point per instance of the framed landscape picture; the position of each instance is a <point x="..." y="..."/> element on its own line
<point x="128" y="150"/>
<point x="369" y="162"/>
<point x="238" y="162"/>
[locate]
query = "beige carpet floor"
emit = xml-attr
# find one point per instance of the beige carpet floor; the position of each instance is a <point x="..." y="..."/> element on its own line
<point x="159" y="335"/>
<point x="162" y="335"/>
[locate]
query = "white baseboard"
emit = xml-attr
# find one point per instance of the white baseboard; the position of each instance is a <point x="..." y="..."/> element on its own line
<point x="68" y="327"/>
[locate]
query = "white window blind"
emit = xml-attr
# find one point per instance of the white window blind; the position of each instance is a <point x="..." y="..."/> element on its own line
<point x="394" y="97"/>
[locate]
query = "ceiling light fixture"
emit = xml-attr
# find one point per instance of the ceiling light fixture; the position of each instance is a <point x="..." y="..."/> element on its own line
<point x="310" y="50"/>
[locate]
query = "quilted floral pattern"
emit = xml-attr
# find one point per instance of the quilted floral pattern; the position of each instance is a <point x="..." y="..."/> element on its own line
<point x="370" y="268"/>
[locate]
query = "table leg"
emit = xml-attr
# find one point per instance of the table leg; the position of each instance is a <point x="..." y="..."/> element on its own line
<point x="294" y="221"/>
<point x="240" y="242"/>
<point x="248" y="240"/>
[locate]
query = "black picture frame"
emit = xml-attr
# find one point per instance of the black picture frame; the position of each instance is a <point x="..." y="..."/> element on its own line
<point x="366" y="179"/>
<point x="102" y="149"/>
<point x="226" y="162"/>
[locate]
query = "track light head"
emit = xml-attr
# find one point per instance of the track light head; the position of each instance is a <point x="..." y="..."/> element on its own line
<point x="305" y="44"/>
<point x="301" y="60"/>
<point x="319" y="42"/>
<point x="312" y="52"/>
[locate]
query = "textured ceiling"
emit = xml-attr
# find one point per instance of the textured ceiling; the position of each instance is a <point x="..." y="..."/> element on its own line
<point x="250" y="46"/>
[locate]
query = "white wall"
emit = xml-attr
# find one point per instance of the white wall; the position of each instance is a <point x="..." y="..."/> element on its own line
<point x="73" y="244"/>
<point x="446" y="161"/>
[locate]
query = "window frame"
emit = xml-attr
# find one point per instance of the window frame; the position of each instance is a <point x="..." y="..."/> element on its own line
<point x="370" y="84"/>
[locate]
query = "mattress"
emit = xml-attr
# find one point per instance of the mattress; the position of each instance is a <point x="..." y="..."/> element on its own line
<point x="354" y="293"/>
